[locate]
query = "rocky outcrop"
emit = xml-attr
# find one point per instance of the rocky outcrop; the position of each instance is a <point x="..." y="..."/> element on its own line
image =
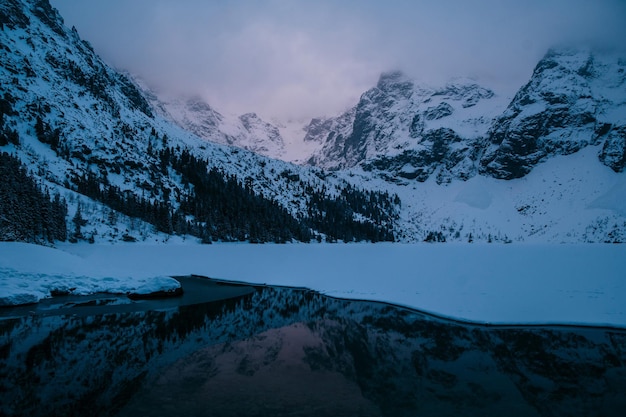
<point x="443" y="151"/>
<point x="437" y="112"/>
<point x="405" y="131"/>
<point x="263" y="137"/>
<point x="332" y="132"/>
<point x="613" y="152"/>
<point x="568" y="104"/>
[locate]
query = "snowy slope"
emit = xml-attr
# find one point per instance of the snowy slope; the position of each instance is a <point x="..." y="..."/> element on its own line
<point x="567" y="199"/>
<point x="297" y="148"/>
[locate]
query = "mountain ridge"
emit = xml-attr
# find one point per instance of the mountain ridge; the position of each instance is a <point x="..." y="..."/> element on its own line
<point x="89" y="133"/>
<point x="405" y="130"/>
<point x="194" y="114"/>
<point x="394" y="131"/>
<point x="400" y="129"/>
<point x="419" y="166"/>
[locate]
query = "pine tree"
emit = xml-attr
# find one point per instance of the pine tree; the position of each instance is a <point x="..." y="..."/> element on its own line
<point x="79" y="221"/>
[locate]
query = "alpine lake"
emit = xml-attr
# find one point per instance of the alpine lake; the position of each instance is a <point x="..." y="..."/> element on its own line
<point x="226" y="349"/>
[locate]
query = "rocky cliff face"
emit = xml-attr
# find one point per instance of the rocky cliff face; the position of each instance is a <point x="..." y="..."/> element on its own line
<point x="408" y="131"/>
<point x="574" y="99"/>
<point x="331" y="133"/>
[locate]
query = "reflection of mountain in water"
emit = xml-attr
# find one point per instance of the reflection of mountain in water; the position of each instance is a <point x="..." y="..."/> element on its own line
<point x="288" y="352"/>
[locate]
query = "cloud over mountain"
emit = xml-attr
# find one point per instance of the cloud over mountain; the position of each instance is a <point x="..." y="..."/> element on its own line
<point x="298" y="59"/>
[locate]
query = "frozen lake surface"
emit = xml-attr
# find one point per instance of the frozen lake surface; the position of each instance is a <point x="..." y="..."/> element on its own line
<point x="486" y="283"/>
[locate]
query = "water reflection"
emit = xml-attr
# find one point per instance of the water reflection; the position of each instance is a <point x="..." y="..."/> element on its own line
<point x="297" y="353"/>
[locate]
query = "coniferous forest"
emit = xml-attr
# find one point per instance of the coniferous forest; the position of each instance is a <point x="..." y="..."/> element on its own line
<point x="220" y="207"/>
<point x="27" y="211"/>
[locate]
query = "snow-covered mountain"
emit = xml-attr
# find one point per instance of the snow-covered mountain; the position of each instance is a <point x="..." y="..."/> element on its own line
<point x="195" y="115"/>
<point x="88" y="132"/>
<point x="410" y="131"/>
<point x="575" y="98"/>
<point x="457" y="163"/>
<point x="277" y="139"/>
<point x="556" y="152"/>
<point x="403" y="131"/>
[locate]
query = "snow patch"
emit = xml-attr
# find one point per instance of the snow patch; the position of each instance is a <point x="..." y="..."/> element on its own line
<point x="29" y="273"/>
<point x="475" y="194"/>
<point x="614" y="199"/>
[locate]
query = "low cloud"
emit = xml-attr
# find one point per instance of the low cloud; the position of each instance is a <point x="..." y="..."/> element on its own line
<point x="299" y="59"/>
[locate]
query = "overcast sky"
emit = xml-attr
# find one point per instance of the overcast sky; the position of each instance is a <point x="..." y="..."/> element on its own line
<point x="306" y="58"/>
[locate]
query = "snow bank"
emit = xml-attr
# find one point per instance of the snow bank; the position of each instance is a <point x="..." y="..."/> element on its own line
<point x="613" y="199"/>
<point x="29" y="273"/>
<point x="489" y="283"/>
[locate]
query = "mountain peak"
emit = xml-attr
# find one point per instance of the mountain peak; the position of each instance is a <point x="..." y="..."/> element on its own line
<point x="394" y="80"/>
<point x="249" y="116"/>
<point x="392" y="76"/>
<point x="574" y="99"/>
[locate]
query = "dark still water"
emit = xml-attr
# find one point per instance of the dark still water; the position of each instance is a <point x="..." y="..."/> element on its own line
<point x="287" y="352"/>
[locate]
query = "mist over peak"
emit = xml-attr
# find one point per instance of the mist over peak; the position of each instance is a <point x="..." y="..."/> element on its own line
<point x="298" y="60"/>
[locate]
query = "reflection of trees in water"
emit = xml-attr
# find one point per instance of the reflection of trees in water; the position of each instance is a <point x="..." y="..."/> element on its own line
<point x="399" y="362"/>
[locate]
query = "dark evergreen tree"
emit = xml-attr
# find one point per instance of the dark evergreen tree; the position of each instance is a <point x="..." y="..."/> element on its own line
<point x="79" y="221"/>
<point x="45" y="134"/>
<point x="7" y="135"/>
<point x="435" y="237"/>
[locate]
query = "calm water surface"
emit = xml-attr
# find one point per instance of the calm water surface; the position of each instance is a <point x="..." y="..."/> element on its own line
<point x="241" y="351"/>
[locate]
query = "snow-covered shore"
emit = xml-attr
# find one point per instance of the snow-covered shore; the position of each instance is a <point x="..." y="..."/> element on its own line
<point x="29" y="273"/>
<point x="488" y="283"/>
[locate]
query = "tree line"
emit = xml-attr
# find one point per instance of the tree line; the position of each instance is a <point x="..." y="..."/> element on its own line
<point x="335" y="216"/>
